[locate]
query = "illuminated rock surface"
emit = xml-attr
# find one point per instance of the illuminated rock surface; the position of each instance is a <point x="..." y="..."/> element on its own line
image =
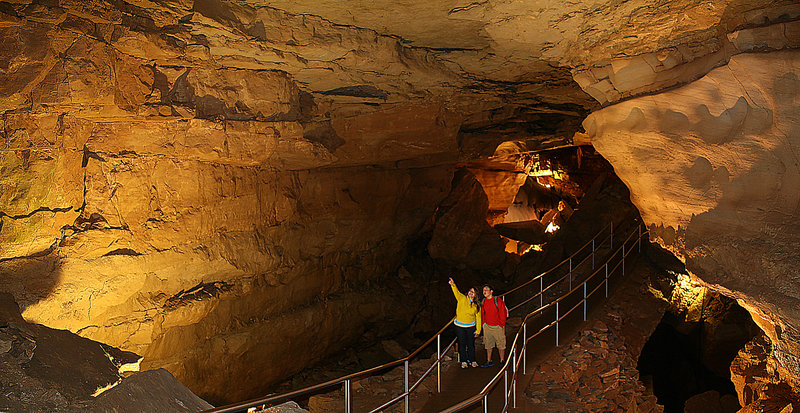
<point x="197" y="180"/>
<point x="713" y="170"/>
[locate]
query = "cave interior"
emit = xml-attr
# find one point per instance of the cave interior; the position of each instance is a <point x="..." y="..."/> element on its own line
<point x="260" y="196"/>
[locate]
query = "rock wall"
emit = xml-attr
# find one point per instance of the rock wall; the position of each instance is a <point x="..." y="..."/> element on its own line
<point x="198" y="210"/>
<point x="719" y="33"/>
<point x="185" y="178"/>
<point x="713" y="169"/>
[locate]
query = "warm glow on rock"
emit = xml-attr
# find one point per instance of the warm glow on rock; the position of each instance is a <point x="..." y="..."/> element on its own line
<point x="237" y="183"/>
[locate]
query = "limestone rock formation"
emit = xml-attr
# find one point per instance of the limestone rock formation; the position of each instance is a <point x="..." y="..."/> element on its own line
<point x="180" y="203"/>
<point x="758" y="381"/>
<point x="44" y="369"/>
<point x="461" y="233"/>
<point x="152" y="390"/>
<point x="182" y="179"/>
<point x="712" y="168"/>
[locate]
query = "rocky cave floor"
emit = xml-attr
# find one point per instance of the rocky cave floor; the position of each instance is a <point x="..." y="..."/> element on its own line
<point x="48" y="370"/>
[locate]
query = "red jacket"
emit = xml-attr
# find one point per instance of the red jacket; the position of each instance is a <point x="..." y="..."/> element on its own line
<point x="494" y="314"/>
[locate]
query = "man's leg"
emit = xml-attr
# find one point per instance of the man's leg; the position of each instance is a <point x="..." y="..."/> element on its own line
<point x="489" y="355"/>
<point x="502" y="352"/>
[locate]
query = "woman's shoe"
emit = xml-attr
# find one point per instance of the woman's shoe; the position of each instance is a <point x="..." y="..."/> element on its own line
<point x="463" y="364"/>
<point x="474" y="364"/>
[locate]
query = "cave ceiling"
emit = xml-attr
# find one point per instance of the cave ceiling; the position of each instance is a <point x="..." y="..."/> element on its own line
<point x="509" y="69"/>
<point x="168" y="164"/>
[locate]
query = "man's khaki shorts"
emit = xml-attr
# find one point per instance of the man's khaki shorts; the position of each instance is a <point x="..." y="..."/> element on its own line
<point x="494" y="336"/>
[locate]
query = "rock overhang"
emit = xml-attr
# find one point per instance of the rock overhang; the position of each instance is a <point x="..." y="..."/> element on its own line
<point x="138" y="131"/>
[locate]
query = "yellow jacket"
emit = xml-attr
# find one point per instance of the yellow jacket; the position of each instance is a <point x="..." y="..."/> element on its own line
<point x="467" y="312"/>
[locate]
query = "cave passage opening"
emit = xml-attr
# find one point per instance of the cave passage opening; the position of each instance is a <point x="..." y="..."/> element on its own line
<point x="690" y="352"/>
<point x="521" y="194"/>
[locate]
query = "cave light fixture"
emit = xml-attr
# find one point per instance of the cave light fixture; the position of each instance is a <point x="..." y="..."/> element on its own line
<point x="535" y="247"/>
<point x="555" y="174"/>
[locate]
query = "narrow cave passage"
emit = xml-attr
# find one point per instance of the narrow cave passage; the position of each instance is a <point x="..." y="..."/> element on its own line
<point x="691" y="350"/>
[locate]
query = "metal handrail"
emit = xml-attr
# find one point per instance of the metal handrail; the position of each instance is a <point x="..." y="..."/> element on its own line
<point x="568" y="259"/>
<point x="271" y="400"/>
<point x="522" y="330"/>
<point x="564" y="261"/>
<point x="556" y="282"/>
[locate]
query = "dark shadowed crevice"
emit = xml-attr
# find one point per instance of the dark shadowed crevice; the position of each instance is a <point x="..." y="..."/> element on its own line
<point x="686" y="357"/>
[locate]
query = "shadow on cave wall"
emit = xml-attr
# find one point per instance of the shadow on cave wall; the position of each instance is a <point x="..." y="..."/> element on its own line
<point x="32" y="278"/>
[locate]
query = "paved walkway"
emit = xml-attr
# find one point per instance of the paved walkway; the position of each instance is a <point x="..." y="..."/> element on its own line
<point x="460" y="384"/>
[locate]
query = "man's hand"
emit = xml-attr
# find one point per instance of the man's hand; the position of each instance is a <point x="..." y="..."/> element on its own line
<point x="451" y="281"/>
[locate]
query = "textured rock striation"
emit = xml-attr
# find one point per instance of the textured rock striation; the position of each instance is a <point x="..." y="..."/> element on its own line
<point x="241" y="179"/>
<point x="713" y="169"/>
<point x="183" y="206"/>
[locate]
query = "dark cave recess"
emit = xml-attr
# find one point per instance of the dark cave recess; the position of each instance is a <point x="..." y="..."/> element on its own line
<point x="684" y="358"/>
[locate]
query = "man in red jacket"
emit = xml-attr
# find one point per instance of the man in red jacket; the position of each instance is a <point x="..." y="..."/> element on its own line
<point x="493" y="314"/>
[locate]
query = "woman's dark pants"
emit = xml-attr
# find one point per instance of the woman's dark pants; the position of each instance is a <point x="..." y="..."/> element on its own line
<point x="466" y="343"/>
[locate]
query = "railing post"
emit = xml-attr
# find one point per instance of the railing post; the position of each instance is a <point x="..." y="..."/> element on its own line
<point x="405" y="407"/>
<point x="606" y="281"/>
<point x="541" y="292"/>
<point x="592" y="253"/>
<point x="514" y="375"/>
<point x="347" y="396"/>
<point x="505" y="387"/>
<point x="640" y="237"/>
<point x="584" y="301"/>
<point x="556" y="323"/>
<point x="439" y="363"/>
<point x="524" y="347"/>
<point x="623" y="258"/>
<point x="612" y="234"/>
<point x="570" y="273"/>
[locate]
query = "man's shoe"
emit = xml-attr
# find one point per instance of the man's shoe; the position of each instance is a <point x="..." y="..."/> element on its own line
<point x="463" y="364"/>
<point x="488" y="364"/>
<point x="474" y="364"/>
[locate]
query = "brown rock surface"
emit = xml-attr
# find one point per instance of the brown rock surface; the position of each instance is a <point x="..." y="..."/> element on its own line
<point x="148" y="391"/>
<point x="711" y="168"/>
<point x="184" y="178"/>
<point x="44" y="369"/>
<point x="461" y="233"/>
<point x="757" y="379"/>
<point x="159" y="200"/>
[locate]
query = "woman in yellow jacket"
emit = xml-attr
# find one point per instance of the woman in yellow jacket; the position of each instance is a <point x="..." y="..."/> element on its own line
<point x="467" y="324"/>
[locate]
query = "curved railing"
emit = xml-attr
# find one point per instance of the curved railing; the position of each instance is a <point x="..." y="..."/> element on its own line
<point x="346" y="381"/>
<point x="519" y="346"/>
